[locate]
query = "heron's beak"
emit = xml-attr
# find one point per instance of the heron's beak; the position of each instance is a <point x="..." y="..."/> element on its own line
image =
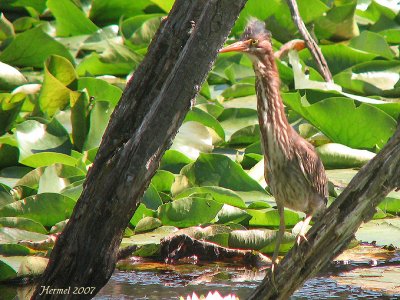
<point x="241" y="46"/>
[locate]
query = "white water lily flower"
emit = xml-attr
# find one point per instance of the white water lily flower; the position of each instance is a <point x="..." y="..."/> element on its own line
<point x="211" y="296"/>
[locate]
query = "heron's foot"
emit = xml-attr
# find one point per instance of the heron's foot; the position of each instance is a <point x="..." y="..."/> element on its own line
<point x="273" y="268"/>
<point x="300" y="237"/>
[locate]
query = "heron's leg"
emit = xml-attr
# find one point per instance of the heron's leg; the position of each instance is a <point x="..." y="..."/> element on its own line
<point x="278" y="242"/>
<point x="280" y="233"/>
<point x="303" y="230"/>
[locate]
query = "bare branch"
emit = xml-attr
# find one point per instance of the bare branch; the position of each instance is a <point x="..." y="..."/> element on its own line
<point x="311" y="44"/>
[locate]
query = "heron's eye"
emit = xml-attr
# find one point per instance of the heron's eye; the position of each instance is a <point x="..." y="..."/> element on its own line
<point x="254" y="42"/>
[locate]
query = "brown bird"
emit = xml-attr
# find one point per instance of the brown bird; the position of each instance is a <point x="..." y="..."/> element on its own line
<point x="293" y="170"/>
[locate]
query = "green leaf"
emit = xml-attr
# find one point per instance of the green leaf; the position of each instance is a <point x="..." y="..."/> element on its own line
<point x="173" y="161"/>
<point x="38" y="5"/>
<point x="219" y="194"/>
<point x="188" y="211"/>
<point x="166" y="5"/>
<point x="254" y="9"/>
<point x="219" y="170"/>
<point x="162" y="181"/>
<point x="373" y="43"/>
<point x="116" y="60"/>
<point x="56" y="177"/>
<point x="141" y="212"/>
<point x="34" y="137"/>
<point x="234" y="119"/>
<point x="79" y="103"/>
<point x="5" y="195"/>
<point x="383" y="232"/>
<point x="44" y="159"/>
<point x="147" y="224"/>
<point x="10" y="77"/>
<point x="139" y="30"/>
<point x="14" y="235"/>
<point x="337" y="156"/>
<point x="245" y="136"/>
<point x="372" y="78"/>
<point x="8" y="156"/>
<point x="106" y="12"/>
<point x="391" y="204"/>
<point x="74" y="190"/>
<point x="11" y="175"/>
<point x="14" y="249"/>
<point x="70" y="20"/>
<point x="206" y="119"/>
<point x="338" y="23"/>
<point x="270" y="217"/>
<point x="99" y="89"/>
<point x="8" y="269"/>
<point x="47" y="209"/>
<point x="232" y="214"/>
<point x="152" y="237"/>
<point x="192" y="139"/>
<point x="338" y="56"/>
<point x="343" y="122"/>
<point x="99" y="117"/>
<point x="22" y="223"/>
<point x="40" y="46"/>
<point x="6" y="28"/>
<point x="151" y="198"/>
<point x="239" y="90"/>
<point x="21" y="266"/>
<point x="59" y="77"/>
<point x="10" y="106"/>
<point x="262" y="240"/>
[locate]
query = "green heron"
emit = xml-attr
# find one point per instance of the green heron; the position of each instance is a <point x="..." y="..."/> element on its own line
<point x="293" y="170"/>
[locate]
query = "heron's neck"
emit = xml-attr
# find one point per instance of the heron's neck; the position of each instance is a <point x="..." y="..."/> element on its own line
<point x="274" y="125"/>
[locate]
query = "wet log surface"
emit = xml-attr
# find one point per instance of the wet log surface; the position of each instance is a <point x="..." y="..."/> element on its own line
<point x="183" y="246"/>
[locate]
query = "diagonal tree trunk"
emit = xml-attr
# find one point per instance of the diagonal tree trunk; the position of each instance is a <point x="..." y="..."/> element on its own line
<point x="330" y="236"/>
<point x="142" y="127"/>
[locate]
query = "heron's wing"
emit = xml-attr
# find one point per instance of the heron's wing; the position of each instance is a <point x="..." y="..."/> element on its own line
<point x="311" y="166"/>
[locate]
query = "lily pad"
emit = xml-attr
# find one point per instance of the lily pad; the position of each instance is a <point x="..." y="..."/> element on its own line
<point x="189" y="211"/>
<point x="47" y="209"/>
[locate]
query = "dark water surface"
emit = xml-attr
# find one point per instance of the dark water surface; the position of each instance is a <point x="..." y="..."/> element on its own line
<point x="169" y="284"/>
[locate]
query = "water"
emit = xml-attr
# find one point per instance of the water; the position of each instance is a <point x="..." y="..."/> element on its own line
<point x="375" y="269"/>
<point x="175" y="282"/>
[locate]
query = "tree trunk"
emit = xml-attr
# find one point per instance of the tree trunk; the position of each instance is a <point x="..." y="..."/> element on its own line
<point x="142" y="127"/>
<point x="330" y="236"/>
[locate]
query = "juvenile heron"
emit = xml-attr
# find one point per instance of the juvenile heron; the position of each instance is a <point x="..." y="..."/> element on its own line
<point x="293" y="170"/>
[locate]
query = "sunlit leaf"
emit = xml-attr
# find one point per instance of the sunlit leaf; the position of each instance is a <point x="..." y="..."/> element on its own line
<point x="47" y="209"/>
<point x="336" y="156"/>
<point x="187" y="212"/>
<point x="10" y="77"/>
<point x="99" y="117"/>
<point x="35" y="137"/>
<point x="360" y="127"/>
<point x="219" y="170"/>
<point x="70" y="20"/>
<point x="59" y="78"/>
<point x="383" y="232"/>
<point x="373" y="43"/>
<point x="40" y="46"/>
<point x="262" y="240"/>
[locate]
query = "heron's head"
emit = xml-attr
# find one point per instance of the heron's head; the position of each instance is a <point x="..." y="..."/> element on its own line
<point x="255" y="40"/>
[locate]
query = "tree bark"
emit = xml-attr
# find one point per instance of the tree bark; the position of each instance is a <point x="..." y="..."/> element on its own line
<point x="142" y="127"/>
<point x="332" y="233"/>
